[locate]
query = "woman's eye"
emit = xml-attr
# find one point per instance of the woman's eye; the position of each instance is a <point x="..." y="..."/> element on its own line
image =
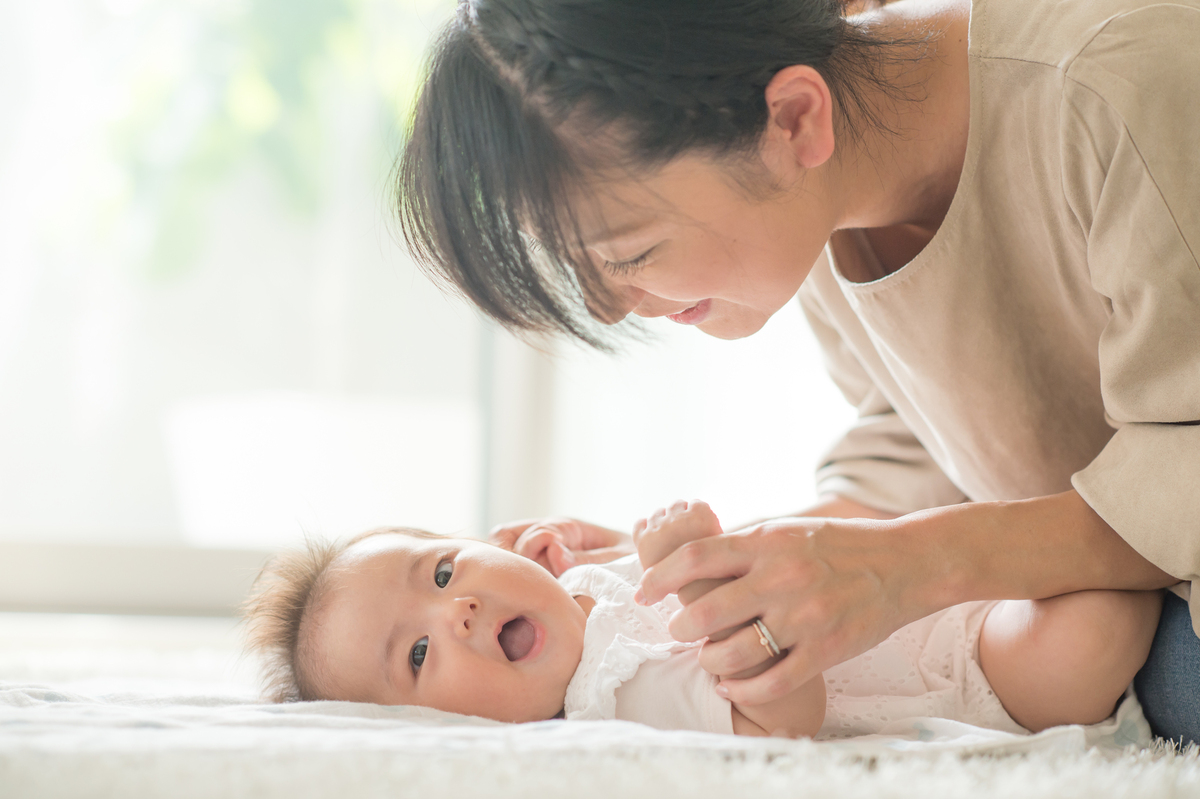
<point x="441" y="575"/>
<point x="620" y="268"/>
<point x="417" y="656"/>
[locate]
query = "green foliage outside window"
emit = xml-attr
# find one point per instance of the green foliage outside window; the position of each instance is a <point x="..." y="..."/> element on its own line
<point x="214" y="87"/>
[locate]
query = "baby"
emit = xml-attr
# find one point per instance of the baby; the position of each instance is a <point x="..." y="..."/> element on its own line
<point x="404" y="617"/>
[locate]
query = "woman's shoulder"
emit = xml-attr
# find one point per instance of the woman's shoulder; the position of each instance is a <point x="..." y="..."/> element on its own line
<point x="1091" y="74"/>
<point x="1130" y="116"/>
<point x="1145" y="51"/>
<point x="1062" y="34"/>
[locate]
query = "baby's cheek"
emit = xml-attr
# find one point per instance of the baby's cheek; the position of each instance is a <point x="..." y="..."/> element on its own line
<point x="467" y="693"/>
<point x="492" y="694"/>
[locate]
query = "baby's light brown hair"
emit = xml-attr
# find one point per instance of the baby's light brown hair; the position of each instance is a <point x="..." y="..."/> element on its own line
<point x="285" y="596"/>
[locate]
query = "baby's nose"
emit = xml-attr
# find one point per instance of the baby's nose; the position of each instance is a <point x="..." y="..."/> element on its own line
<point x="466" y="609"/>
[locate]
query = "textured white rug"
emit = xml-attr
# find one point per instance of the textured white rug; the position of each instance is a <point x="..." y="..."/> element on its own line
<point x="149" y="709"/>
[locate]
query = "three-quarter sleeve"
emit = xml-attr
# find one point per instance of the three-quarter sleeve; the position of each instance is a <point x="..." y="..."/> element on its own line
<point x="878" y="462"/>
<point x="1132" y="173"/>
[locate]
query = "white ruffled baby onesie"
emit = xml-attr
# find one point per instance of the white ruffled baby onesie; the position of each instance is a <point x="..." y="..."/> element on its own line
<point x="632" y="669"/>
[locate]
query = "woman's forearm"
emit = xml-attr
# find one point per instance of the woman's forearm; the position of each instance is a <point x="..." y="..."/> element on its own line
<point x="1026" y="549"/>
<point x="831" y="506"/>
<point x="839" y="507"/>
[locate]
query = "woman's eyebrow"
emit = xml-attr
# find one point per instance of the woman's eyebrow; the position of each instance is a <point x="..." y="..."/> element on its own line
<point x="624" y="232"/>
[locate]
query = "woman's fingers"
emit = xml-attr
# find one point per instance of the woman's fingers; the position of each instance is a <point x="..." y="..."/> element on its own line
<point x="728" y="606"/>
<point x="713" y="557"/>
<point x="776" y="682"/>
<point x="827" y="590"/>
<point x="733" y="655"/>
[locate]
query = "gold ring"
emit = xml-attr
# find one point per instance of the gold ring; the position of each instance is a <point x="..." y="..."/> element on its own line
<point x="766" y="639"/>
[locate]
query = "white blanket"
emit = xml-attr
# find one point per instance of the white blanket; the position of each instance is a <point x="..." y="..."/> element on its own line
<point x="172" y="739"/>
<point x="104" y="735"/>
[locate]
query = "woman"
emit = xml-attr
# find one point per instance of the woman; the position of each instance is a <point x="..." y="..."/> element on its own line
<point x="1009" y="295"/>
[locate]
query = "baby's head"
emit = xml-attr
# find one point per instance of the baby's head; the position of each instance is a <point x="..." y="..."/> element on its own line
<point x="403" y="617"/>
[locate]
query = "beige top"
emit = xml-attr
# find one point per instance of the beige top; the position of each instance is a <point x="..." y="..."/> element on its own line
<point x="1049" y="334"/>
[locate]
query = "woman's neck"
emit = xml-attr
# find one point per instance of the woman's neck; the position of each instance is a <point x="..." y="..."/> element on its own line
<point x="904" y="176"/>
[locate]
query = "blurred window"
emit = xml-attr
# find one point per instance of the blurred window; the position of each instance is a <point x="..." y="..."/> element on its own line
<point x="208" y="334"/>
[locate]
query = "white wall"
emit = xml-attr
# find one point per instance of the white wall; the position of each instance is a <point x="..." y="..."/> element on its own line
<point x="738" y="424"/>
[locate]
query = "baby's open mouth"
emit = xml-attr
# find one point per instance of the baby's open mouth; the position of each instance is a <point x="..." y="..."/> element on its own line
<point x="517" y="637"/>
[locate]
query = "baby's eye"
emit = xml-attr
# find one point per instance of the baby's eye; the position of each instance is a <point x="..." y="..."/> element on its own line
<point x="441" y="575"/>
<point x="417" y="656"/>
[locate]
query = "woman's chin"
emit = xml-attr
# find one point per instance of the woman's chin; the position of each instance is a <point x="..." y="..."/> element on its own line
<point x="731" y="329"/>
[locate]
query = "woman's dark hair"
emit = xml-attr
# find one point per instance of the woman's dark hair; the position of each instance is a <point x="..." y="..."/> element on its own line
<point x="515" y="86"/>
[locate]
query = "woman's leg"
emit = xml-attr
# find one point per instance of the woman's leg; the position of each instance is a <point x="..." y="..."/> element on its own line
<point x="1168" y="686"/>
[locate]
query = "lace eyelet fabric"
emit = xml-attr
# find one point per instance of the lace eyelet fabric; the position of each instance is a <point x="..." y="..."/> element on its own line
<point x="927" y="669"/>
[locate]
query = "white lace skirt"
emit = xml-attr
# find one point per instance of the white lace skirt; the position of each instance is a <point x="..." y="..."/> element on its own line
<point x="929" y="669"/>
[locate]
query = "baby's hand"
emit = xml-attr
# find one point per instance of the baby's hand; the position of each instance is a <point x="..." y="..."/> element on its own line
<point x="558" y="543"/>
<point x="667" y="529"/>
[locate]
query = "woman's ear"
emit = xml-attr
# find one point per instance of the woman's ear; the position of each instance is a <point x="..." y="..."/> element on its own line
<point x="801" y="114"/>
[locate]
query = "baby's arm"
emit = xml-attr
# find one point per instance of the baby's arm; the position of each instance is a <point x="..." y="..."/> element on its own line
<point x="1069" y="658"/>
<point x="800" y="713"/>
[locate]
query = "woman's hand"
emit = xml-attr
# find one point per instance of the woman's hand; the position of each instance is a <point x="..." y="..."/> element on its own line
<point x="667" y="529"/>
<point x="827" y="589"/>
<point x="558" y="543"/>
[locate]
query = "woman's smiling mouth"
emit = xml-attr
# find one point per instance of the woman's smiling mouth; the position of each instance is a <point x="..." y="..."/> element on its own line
<point x="694" y="315"/>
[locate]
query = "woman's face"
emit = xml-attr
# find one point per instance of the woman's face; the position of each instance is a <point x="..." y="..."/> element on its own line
<point x="691" y="244"/>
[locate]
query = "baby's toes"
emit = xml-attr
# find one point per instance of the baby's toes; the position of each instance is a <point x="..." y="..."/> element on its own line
<point x="698" y="519"/>
<point x="703" y="515"/>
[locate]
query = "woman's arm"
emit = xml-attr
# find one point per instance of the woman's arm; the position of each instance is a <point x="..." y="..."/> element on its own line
<point x="829" y="589"/>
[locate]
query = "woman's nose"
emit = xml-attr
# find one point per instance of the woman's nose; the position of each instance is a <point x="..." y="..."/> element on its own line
<point x="651" y="306"/>
<point x="464" y="615"/>
<point x="620" y="302"/>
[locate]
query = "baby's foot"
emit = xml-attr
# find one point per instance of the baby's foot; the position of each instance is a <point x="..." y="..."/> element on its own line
<point x="667" y="529"/>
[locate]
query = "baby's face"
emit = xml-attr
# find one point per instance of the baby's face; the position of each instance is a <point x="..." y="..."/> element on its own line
<point x="452" y="624"/>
